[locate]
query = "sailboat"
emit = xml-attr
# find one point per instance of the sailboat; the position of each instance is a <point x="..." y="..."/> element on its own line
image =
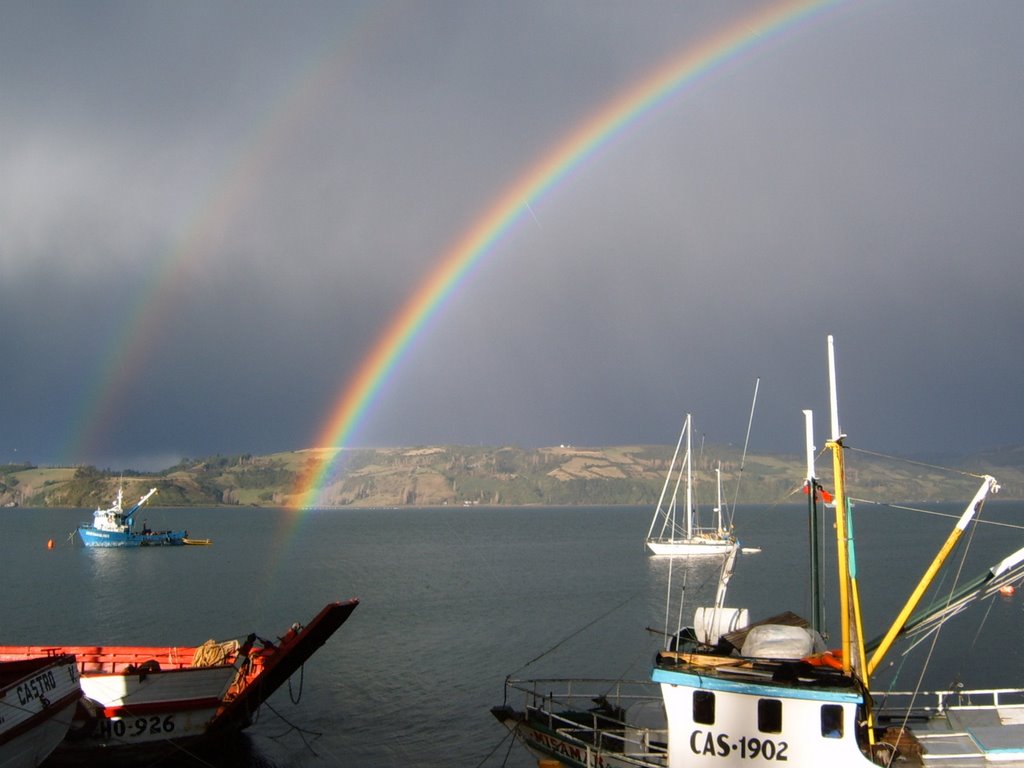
<point x="772" y="692"/>
<point x="685" y="537"/>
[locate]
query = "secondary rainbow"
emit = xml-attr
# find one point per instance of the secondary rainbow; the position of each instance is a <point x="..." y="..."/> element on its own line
<point x="152" y="306"/>
<point x="677" y="74"/>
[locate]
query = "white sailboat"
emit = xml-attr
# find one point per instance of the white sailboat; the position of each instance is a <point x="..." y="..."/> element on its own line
<point x="681" y="534"/>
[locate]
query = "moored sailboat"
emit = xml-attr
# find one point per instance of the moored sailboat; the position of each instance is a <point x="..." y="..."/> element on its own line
<point x="679" y="533"/>
<point x="773" y="691"/>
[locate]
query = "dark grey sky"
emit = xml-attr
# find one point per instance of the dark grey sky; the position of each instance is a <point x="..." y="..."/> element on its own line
<point x="210" y="210"/>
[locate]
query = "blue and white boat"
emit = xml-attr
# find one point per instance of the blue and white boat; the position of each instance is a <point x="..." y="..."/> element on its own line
<point x="113" y="527"/>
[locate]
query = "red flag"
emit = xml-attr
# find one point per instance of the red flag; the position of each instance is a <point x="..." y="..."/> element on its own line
<point x="822" y="494"/>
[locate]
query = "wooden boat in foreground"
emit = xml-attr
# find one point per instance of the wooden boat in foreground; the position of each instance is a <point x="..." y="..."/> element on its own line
<point x="772" y="692"/>
<point x="141" y="701"/>
<point x="38" y="697"/>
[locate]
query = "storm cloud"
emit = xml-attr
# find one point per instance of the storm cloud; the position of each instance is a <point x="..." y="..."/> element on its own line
<point x="210" y="211"/>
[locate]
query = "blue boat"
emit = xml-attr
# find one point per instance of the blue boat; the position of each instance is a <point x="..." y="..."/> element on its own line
<point x="113" y="527"/>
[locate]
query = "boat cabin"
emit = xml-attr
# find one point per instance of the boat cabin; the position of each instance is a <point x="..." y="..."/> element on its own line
<point x="765" y="704"/>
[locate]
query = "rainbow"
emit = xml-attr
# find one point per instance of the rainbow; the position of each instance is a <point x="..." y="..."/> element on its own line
<point x="229" y="188"/>
<point x="677" y="74"/>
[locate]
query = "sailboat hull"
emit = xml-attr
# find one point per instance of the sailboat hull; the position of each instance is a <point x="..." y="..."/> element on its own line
<point x="692" y="547"/>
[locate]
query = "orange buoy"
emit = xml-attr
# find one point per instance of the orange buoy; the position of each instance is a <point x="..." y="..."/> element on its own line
<point x="49" y="543"/>
<point x="1006" y="590"/>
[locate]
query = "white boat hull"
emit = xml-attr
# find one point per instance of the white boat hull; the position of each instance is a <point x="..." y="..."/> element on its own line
<point x="31" y="748"/>
<point x="154" y="707"/>
<point x="36" y="712"/>
<point x="703" y="546"/>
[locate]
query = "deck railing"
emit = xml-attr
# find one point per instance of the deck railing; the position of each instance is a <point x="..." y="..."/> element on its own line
<point x="931" y="702"/>
<point x="592" y="715"/>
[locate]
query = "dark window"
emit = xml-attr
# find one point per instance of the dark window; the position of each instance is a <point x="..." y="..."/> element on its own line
<point x="704" y="707"/>
<point x="769" y="716"/>
<point x="832" y="721"/>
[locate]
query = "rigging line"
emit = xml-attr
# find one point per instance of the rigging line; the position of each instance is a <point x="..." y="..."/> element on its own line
<point x="570" y="636"/>
<point x="497" y="746"/>
<point x="934" y="513"/>
<point x="920" y="681"/>
<point x="876" y="454"/>
<point x="293" y="728"/>
<point x="626" y="670"/>
<point x="956" y="580"/>
<point x="974" y="640"/>
<point x="743" y="458"/>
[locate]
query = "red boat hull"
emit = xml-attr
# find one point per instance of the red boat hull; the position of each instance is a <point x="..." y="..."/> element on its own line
<point x="145" y="699"/>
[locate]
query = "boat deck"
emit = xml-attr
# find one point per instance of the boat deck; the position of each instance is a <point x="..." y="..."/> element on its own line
<point x="971" y="739"/>
<point x="981" y="728"/>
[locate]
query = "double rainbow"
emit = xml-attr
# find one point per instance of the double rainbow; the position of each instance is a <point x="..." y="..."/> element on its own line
<point x="674" y="76"/>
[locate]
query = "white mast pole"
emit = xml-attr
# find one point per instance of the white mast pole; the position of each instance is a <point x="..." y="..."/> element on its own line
<point x="832" y="394"/>
<point x="718" y="497"/>
<point x="809" y="433"/>
<point x="689" y="482"/>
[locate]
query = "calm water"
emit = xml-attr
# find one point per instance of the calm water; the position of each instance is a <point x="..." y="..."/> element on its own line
<point x="453" y="600"/>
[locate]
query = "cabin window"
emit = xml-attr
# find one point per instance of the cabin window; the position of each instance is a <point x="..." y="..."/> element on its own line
<point x="769" y="716"/>
<point x="704" y="707"/>
<point x="832" y="721"/>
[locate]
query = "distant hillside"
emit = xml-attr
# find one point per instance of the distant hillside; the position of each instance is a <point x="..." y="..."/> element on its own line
<point x="461" y="475"/>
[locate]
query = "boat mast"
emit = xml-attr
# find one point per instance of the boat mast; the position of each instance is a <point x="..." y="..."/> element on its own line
<point x="689" y="483"/>
<point x="814" y="533"/>
<point x="664" y="488"/>
<point x="849" y="598"/>
<point x="718" y="506"/>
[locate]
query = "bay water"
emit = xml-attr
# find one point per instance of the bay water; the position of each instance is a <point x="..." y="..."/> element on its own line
<point x="453" y="600"/>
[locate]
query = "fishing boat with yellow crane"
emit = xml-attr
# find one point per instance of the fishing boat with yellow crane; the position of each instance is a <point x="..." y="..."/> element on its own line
<point x="728" y="692"/>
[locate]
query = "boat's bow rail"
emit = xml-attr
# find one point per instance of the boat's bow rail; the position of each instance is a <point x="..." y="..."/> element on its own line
<point x="924" y="704"/>
<point x="620" y="718"/>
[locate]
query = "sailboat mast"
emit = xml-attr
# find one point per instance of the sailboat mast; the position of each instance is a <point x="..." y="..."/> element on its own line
<point x="718" y="497"/>
<point x="664" y="488"/>
<point x="812" y="515"/>
<point x="689" y="482"/>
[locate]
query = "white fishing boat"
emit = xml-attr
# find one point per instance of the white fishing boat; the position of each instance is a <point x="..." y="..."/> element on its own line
<point x="675" y="532"/>
<point x="38" y="697"/>
<point x="772" y="692"/>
